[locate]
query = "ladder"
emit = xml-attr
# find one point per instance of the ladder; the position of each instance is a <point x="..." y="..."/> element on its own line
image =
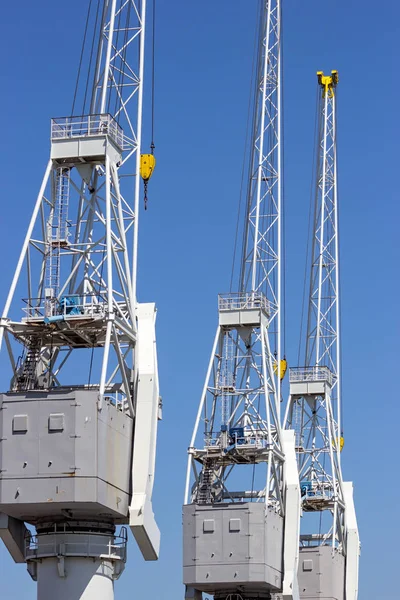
<point x="26" y="379"/>
<point x="206" y="479"/>
<point x="57" y="237"/>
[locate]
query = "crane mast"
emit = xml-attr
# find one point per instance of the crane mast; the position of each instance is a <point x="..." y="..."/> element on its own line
<point x="241" y="466"/>
<point x="79" y="422"/>
<point x="330" y="544"/>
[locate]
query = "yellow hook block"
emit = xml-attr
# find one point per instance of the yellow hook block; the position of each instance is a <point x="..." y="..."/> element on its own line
<point x="282" y="369"/>
<point x="341" y="443"/>
<point x="147" y="165"/>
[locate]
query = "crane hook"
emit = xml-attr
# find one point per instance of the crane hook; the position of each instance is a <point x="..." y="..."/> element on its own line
<point x="147" y="164"/>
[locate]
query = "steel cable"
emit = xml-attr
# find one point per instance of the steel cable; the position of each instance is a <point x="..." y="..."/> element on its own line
<point x="81" y="56"/>
<point x="152" y="145"/>
<point x="91" y="56"/>
<point x="310" y="213"/>
<point x="246" y="160"/>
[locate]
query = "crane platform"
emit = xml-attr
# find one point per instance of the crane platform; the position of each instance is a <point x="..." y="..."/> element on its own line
<point x="314" y="380"/>
<point x="243" y="309"/>
<point x="77" y="322"/>
<point x="87" y="139"/>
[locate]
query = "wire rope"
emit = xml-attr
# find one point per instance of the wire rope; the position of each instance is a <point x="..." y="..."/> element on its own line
<point x="261" y="21"/>
<point x="113" y="82"/>
<point x="81" y="56"/>
<point x="245" y="152"/>
<point x="338" y="325"/>
<point x="283" y="203"/>
<point x="91" y="56"/>
<point x="122" y="70"/>
<point x="308" y="259"/>
<point x="152" y="145"/>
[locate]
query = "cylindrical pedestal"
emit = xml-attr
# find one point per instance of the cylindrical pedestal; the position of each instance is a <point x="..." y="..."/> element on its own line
<point x="84" y="579"/>
<point x="73" y="561"/>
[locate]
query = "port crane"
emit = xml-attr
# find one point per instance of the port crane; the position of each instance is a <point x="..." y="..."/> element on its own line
<point x="242" y="499"/>
<point x="78" y="424"/>
<point x="329" y="542"/>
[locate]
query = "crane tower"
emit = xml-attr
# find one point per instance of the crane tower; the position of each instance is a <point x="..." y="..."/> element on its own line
<point x="241" y="512"/>
<point x="329" y="547"/>
<point x="78" y="425"/>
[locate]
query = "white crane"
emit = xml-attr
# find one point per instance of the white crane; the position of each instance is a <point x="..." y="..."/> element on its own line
<point x="78" y="425"/>
<point x="329" y="546"/>
<point x="241" y="513"/>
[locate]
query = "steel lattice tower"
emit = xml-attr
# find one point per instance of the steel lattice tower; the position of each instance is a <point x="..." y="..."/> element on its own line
<point x="319" y="424"/>
<point x="314" y="407"/>
<point x="78" y="267"/>
<point x="236" y="454"/>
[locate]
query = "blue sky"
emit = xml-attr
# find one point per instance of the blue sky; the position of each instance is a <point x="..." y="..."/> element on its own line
<point x="186" y="239"/>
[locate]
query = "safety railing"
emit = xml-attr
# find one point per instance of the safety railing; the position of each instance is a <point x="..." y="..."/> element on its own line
<point x="88" y="126"/>
<point x="238" y="438"/>
<point x="243" y="301"/>
<point x="309" y="374"/>
<point x="316" y="490"/>
<point x="76" y="544"/>
<point x="73" y="305"/>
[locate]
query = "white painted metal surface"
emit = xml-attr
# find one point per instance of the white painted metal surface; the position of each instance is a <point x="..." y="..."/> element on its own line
<point x="72" y="566"/>
<point x="80" y="255"/>
<point x="88" y="255"/>
<point x="242" y="390"/>
<point x="292" y="519"/>
<point x="352" y="543"/>
<point x="316" y="414"/>
<point x="314" y="407"/>
<point x="147" y="413"/>
<point x="237" y="451"/>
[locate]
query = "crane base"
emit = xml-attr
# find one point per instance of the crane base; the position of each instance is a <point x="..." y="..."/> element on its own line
<point x="61" y="457"/>
<point x="232" y="549"/>
<point x="321" y="574"/>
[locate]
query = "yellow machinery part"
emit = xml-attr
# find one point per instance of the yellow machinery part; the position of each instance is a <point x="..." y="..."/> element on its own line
<point x="283" y="368"/>
<point x="147" y="164"/>
<point x="328" y="82"/>
<point x="341" y="443"/>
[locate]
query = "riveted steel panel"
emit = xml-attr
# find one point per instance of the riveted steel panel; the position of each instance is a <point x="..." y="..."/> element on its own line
<point x="243" y="550"/>
<point x="321" y="574"/>
<point x="72" y="457"/>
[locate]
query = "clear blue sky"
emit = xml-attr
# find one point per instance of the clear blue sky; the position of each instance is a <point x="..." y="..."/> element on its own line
<point x="186" y="243"/>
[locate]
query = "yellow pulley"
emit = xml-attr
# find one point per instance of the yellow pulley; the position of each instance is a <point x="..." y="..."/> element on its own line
<point x="147" y="165"/>
<point x="282" y="368"/>
<point x="341" y="443"/>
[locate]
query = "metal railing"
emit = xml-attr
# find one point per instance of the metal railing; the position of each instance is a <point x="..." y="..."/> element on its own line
<point x="243" y="301"/>
<point x="88" y="126"/>
<point x="307" y="374"/>
<point x="256" y="439"/>
<point x="76" y="544"/>
<point x="88" y="305"/>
